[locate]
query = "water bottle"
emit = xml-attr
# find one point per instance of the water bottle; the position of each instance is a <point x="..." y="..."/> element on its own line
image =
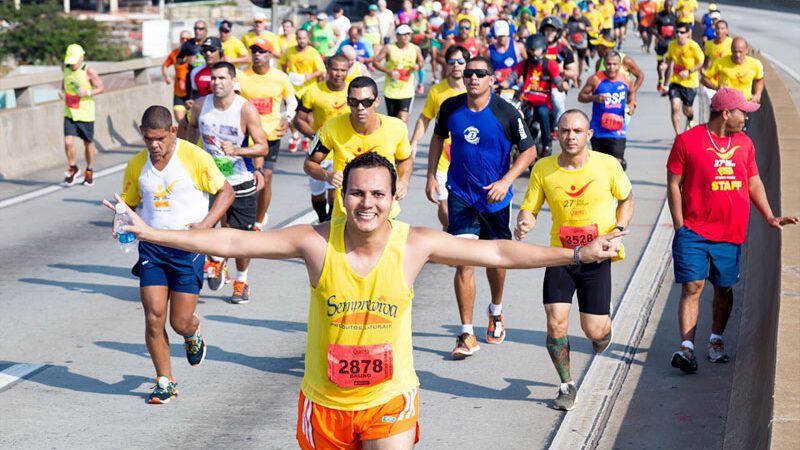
<point x="126" y="240"/>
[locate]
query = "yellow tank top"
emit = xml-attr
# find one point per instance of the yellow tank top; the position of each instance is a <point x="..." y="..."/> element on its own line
<point x="403" y="60"/>
<point x="359" y="353"/>
<point x="79" y="109"/>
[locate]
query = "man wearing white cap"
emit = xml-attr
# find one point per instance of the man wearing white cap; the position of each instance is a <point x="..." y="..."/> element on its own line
<point x="322" y="36"/>
<point x="259" y="31"/>
<point x="402" y="59"/>
<point x="504" y="53"/>
<point x="81" y="84"/>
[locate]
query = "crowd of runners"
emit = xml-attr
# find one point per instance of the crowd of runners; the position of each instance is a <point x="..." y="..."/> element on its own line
<point x="494" y="77"/>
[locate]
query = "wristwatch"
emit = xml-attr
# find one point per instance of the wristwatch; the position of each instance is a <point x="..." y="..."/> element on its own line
<point x="576" y="256"/>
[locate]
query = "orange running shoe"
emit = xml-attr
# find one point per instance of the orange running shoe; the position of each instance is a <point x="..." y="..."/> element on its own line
<point x="466" y="345"/>
<point x="241" y="293"/>
<point x="496" y="331"/>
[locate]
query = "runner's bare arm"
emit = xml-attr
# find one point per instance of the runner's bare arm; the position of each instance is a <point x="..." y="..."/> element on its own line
<point x="252" y="127"/>
<point x="526" y="221"/>
<point x="434" y="153"/>
<point x="419" y="131"/>
<point x="636" y="71"/>
<point x="585" y="95"/>
<point x="192" y="131"/>
<point x="758" y="88"/>
<point x="404" y="169"/>
<point x="222" y="201"/>
<point x="378" y="61"/>
<point x="674" y="182"/>
<point x="498" y="190"/>
<point x="97" y="83"/>
<point x="303" y="122"/>
<point x="625" y="211"/>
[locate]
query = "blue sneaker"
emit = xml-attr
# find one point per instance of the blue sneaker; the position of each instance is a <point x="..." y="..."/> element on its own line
<point x="195" y="348"/>
<point x="164" y="391"/>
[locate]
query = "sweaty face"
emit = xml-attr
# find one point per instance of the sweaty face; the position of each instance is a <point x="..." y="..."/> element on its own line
<point x="738" y="51"/>
<point x="477" y="85"/>
<point x="573" y="133"/>
<point x="337" y="72"/>
<point x="612" y="66"/>
<point x="221" y="83"/>
<point x="368" y="198"/>
<point x="158" y="142"/>
<point x="360" y="113"/>
<point x="302" y="39"/>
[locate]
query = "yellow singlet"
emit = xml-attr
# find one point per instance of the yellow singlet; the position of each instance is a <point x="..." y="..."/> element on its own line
<point x="265" y="92"/>
<point x="440" y="92"/>
<point x="402" y="60"/>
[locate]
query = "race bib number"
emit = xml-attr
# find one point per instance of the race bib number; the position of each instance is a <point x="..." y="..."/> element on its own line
<point x="404" y="74"/>
<point x="667" y="30"/>
<point x="417" y="38"/>
<point x="611" y="121"/>
<point x="572" y="237"/>
<point x="576" y="38"/>
<point x="352" y="366"/>
<point x="182" y="85"/>
<point x="73" y="101"/>
<point x="225" y="165"/>
<point x="263" y="105"/>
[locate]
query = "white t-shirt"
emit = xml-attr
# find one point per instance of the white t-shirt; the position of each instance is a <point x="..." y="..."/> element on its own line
<point x="386" y="18"/>
<point x="341" y="24"/>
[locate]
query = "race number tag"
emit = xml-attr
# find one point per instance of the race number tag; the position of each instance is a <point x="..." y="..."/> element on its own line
<point x="667" y="30"/>
<point x="182" y="85"/>
<point x="225" y="165"/>
<point x="572" y="237"/>
<point x="576" y="38"/>
<point x="404" y="74"/>
<point x="611" y="121"/>
<point x="73" y="101"/>
<point x="263" y="105"/>
<point x="417" y="38"/>
<point x="352" y="366"/>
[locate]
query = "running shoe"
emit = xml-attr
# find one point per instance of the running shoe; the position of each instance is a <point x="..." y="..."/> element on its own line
<point x="466" y="345"/>
<point x="88" y="177"/>
<point x="684" y="359"/>
<point x="420" y="89"/>
<point x="567" y="397"/>
<point x="241" y="293"/>
<point x="71" y="174"/>
<point x="195" y="347"/>
<point x="690" y="124"/>
<point x="496" y="331"/>
<point x="214" y="273"/>
<point x="306" y="143"/>
<point x="294" y="142"/>
<point x="716" y="351"/>
<point x="164" y="391"/>
<point x="601" y="345"/>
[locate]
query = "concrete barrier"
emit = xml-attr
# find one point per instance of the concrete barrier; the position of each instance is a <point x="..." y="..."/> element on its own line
<point x="32" y="137"/>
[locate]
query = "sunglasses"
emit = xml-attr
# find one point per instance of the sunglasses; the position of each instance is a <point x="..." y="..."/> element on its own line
<point x="365" y="102"/>
<point x="209" y="49"/>
<point x="683" y="32"/>
<point x="464" y="28"/>
<point x="453" y="61"/>
<point x="200" y="28"/>
<point x="480" y="73"/>
<point x="258" y="50"/>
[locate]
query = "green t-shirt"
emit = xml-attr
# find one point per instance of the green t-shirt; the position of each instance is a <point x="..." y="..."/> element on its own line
<point x="323" y="39"/>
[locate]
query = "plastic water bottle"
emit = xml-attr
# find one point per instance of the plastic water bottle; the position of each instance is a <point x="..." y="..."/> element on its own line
<point x="126" y="240"/>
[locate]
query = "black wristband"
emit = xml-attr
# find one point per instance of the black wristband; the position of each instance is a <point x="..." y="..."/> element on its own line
<point x="576" y="256"/>
<point x="620" y="227"/>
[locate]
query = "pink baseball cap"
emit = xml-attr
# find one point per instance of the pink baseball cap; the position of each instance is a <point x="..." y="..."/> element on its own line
<point x="728" y="98"/>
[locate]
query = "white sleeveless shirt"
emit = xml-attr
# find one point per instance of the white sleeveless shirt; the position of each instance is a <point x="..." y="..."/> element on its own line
<point x="217" y="126"/>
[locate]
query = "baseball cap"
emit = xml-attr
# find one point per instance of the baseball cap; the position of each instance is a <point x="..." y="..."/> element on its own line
<point x="421" y="9"/>
<point x="467" y="5"/>
<point x="213" y="42"/>
<point x="259" y="17"/>
<point x="602" y="41"/>
<point x="436" y="7"/>
<point x="225" y="26"/>
<point x="403" y="29"/>
<point x="322" y="16"/>
<point x="501" y="28"/>
<point x="263" y="45"/>
<point x="714" y="15"/>
<point x="73" y="54"/>
<point x="373" y="7"/>
<point x="188" y="48"/>
<point x="712" y="6"/>
<point x="729" y="98"/>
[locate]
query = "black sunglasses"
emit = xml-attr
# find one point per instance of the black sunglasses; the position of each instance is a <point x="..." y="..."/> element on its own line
<point x="453" y="61"/>
<point x="200" y="28"/>
<point x="365" y="102"/>
<point x="209" y="49"/>
<point x="480" y="73"/>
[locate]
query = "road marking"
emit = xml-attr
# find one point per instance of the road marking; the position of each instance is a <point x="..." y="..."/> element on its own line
<point x="783" y="66"/>
<point x="303" y="219"/>
<point x="57" y="187"/>
<point x="16" y="373"/>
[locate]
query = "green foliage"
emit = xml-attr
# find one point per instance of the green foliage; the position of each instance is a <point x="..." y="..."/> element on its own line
<point x="40" y="33"/>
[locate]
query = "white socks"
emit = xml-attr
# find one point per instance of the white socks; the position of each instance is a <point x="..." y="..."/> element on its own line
<point x="467" y="328"/>
<point x="242" y="276"/>
<point x="495" y="310"/>
<point x="714" y="337"/>
<point x="688" y="344"/>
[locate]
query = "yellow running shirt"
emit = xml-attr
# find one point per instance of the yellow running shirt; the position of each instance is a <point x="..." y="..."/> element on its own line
<point x="359" y="353"/>
<point x="737" y="76"/>
<point x="714" y="51"/>
<point x="339" y="138"/>
<point x="582" y="202"/>
<point x="402" y="60"/>
<point x="302" y="62"/>
<point x="596" y="19"/>
<point x="234" y="48"/>
<point x="265" y="92"/>
<point x="440" y="92"/>
<point x="607" y="10"/>
<point x="685" y="11"/>
<point x="324" y="103"/>
<point x="77" y="108"/>
<point x="685" y="57"/>
<point x="176" y="195"/>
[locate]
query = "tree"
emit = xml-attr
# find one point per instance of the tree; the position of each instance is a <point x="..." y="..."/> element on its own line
<point x="40" y="33"/>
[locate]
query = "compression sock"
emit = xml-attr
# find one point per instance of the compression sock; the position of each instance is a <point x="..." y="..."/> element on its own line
<point x="421" y="74"/>
<point x="321" y="208"/>
<point x="558" y="348"/>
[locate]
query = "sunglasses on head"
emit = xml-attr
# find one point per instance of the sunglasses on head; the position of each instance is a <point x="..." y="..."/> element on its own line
<point x="365" y="102"/>
<point x="454" y="61"/>
<point x="480" y="73"/>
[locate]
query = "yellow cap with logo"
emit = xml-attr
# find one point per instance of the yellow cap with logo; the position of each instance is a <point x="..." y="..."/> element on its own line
<point x="74" y="54"/>
<point x="603" y="41"/>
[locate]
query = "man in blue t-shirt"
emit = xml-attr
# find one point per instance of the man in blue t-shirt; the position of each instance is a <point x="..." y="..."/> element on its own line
<point x="362" y="46"/>
<point x="484" y="128"/>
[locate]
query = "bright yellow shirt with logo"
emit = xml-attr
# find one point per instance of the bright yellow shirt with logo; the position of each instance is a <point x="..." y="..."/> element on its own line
<point x="402" y="60"/>
<point x="440" y="92"/>
<point x="685" y="57"/>
<point x="324" y="103"/>
<point x="303" y="62"/>
<point x="596" y="19"/>
<point x="607" y="10"/>
<point x="359" y="352"/>
<point x="390" y="140"/>
<point x="285" y="43"/>
<point x="714" y="51"/>
<point x="176" y="195"/>
<point x="268" y="36"/>
<point x="737" y="76"/>
<point x="544" y="8"/>
<point x="77" y="108"/>
<point x="685" y="11"/>
<point x="265" y="92"/>
<point x="234" y="48"/>
<point x="578" y="198"/>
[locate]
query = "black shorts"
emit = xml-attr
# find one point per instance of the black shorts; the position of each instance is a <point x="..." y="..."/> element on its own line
<point x="464" y="220"/>
<point x="84" y="130"/>
<point x="272" y="156"/>
<point x="610" y="146"/>
<point x="684" y="93"/>
<point x="394" y="106"/>
<point x="425" y="51"/>
<point x="662" y="47"/>
<point x="180" y="101"/>
<point x="242" y="212"/>
<point x="592" y="281"/>
<point x="582" y="52"/>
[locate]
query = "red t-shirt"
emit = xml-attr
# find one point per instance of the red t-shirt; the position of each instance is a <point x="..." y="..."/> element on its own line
<point x="537" y="85"/>
<point x="715" y="194"/>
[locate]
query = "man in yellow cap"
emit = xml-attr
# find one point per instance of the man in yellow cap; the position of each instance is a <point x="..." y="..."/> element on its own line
<point x="81" y="84"/>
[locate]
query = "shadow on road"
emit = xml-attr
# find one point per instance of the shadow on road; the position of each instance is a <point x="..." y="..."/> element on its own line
<point x="63" y="377"/>
<point x="127" y="293"/>
<point x="277" y="325"/>
<point x="124" y="272"/>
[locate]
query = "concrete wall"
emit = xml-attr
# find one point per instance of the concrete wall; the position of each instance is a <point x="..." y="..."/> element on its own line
<point x="32" y="138"/>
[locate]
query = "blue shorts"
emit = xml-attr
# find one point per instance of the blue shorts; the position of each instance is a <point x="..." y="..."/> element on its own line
<point x="163" y="266"/>
<point x="696" y="258"/>
<point x="465" y="220"/>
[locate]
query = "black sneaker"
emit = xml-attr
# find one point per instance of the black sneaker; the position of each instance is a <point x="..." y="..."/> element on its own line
<point x="567" y="397"/>
<point x="684" y="359"/>
<point x="195" y="348"/>
<point x="215" y="271"/>
<point x="716" y="351"/>
<point x="164" y="391"/>
<point x="88" y="177"/>
<point x="71" y="174"/>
